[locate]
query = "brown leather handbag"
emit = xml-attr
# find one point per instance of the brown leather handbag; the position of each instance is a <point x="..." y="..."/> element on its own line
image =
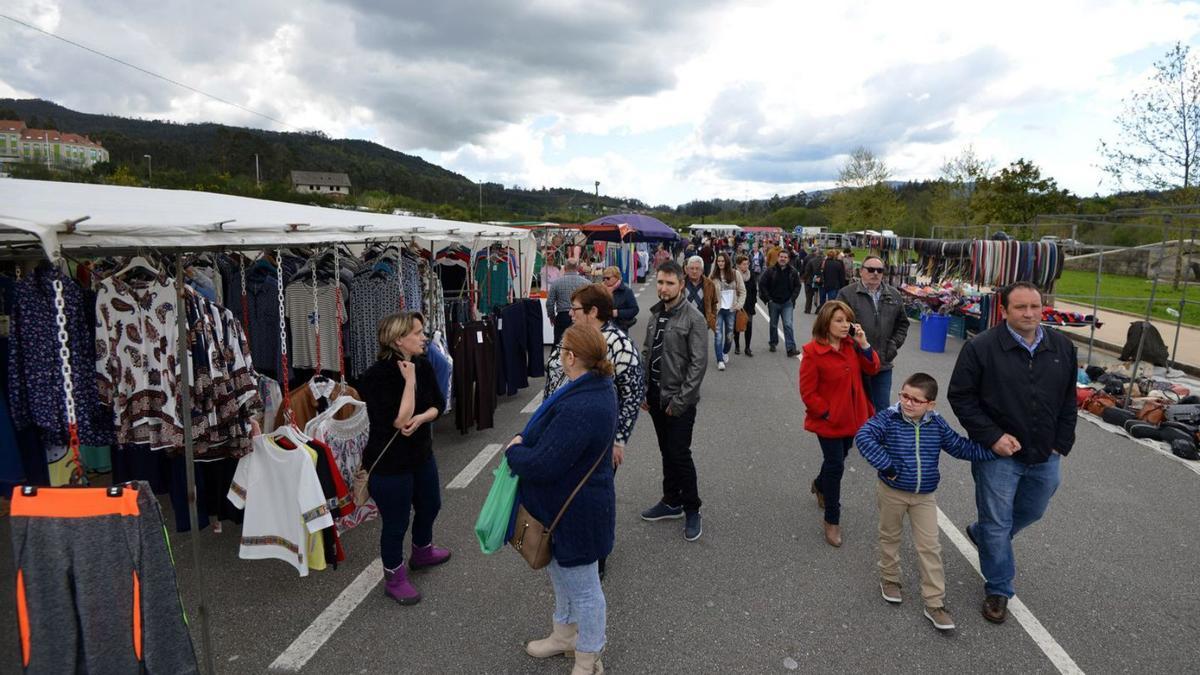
<point x="1098" y="402"/>
<point x="740" y="321"/>
<point x="531" y="538"/>
<point x="1152" y="412"/>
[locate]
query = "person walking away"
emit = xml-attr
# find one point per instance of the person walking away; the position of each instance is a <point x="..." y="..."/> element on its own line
<point x="781" y="286"/>
<point x="1013" y="389"/>
<point x="835" y="401"/>
<point x="592" y="306"/>
<point x="812" y="281"/>
<point x="558" y="298"/>
<point x="676" y="359"/>
<point x="750" y="280"/>
<point x="569" y="437"/>
<point x="701" y="291"/>
<point x="625" y="306"/>
<point x="403" y="400"/>
<point x="708" y="254"/>
<point x="833" y="276"/>
<point x="848" y="264"/>
<point x="903" y="443"/>
<point x="731" y="295"/>
<point x="880" y="309"/>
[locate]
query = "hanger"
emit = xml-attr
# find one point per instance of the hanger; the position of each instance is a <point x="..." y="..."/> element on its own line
<point x="136" y="263"/>
<point x="290" y="433"/>
<point x="338" y="403"/>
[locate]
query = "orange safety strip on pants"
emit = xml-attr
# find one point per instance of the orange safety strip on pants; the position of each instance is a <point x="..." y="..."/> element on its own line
<point x="137" y="617"/>
<point x="74" y="503"/>
<point x="23" y="618"/>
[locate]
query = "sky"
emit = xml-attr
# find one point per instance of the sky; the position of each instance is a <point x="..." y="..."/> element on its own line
<point x="664" y="101"/>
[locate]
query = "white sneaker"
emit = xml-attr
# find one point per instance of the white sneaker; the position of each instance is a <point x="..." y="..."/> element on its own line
<point x="720" y="365"/>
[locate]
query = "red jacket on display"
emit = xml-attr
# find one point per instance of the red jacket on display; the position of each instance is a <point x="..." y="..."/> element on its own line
<point x="831" y="387"/>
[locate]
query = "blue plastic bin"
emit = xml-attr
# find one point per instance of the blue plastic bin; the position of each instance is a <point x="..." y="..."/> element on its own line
<point x="934" y="328"/>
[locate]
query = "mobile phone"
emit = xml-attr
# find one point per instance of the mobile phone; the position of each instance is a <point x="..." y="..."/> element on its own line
<point x="851" y="330"/>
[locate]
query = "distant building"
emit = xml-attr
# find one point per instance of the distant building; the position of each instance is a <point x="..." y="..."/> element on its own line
<point x="321" y="183"/>
<point x="19" y="143"/>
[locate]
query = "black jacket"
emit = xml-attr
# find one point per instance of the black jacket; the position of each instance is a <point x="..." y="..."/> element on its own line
<point x="812" y="268"/>
<point x="780" y="284"/>
<point x="998" y="388"/>
<point x="625" y="307"/>
<point x="833" y="274"/>
<point x="382" y="387"/>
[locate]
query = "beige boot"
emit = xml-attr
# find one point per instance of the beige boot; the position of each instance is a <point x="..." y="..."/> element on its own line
<point x="561" y="641"/>
<point x="588" y="663"/>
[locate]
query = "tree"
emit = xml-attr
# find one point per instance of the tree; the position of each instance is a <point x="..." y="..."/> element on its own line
<point x="1016" y="195"/>
<point x="9" y="114"/>
<point x="864" y="199"/>
<point x="950" y="202"/>
<point x="1159" y="141"/>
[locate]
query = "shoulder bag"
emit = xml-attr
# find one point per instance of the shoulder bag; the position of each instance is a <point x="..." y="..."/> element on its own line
<point x="531" y="538"/>
<point x="359" y="492"/>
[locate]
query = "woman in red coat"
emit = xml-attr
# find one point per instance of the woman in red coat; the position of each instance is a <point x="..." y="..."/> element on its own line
<point x="836" y="403"/>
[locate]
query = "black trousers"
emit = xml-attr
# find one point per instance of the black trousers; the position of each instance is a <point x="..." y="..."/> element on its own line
<point x="811" y="293"/>
<point x="562" y="321"/>
<point x="475" y="376"/>
<point x="675" y="444"/>
<point x="534" y="342"/>
<point x="511" y="348"/>
<point x="750" y="308"/>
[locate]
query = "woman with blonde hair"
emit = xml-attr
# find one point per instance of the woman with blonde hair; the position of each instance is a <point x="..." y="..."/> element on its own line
<point x="403" y="399"/>
<point x="835" y="400"/>
<point x="568" y="444"/>
<point x="625" y="306"/>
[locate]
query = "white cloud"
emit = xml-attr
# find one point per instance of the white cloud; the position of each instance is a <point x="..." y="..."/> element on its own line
<point x="769" y="94"/>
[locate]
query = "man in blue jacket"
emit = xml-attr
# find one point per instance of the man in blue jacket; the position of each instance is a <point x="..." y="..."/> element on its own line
<point x="904" y="443"/>
<point x="1013" y="390"/>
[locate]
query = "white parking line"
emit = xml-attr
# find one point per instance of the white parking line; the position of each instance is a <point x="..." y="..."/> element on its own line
<point x="1042" y="637"/>
<point x="323" y="627"/>
<point x="533" y="404"/>
<point x="464" y="477"/>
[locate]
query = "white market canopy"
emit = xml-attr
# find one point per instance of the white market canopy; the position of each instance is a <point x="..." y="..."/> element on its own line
<point x="715" y="228"/>
<point x="79" y="216"/>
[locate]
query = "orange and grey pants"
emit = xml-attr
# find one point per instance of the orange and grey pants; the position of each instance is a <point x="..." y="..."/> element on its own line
<point x="95" y="583"/>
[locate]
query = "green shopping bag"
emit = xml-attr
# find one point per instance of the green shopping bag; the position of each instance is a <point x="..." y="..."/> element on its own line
<point x="492" y="524"/>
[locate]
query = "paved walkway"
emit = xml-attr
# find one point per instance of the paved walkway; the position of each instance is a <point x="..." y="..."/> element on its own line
<point x="1116" y="326"/>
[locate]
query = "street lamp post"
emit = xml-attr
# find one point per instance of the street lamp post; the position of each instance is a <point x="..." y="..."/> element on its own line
<point x="149" y="170"/>
<point x="257" y="176"/>
<point x="481" y="201"/>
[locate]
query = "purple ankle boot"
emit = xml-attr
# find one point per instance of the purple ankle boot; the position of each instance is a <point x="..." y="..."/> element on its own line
<point x="427" y="556"/>
<point x="398" y="588"/>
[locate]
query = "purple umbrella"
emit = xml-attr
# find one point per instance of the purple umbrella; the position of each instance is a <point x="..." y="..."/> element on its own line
<point x="629" y="227"/>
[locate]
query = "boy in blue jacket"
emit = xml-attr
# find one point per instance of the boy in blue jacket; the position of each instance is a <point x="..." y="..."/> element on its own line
<point x="903" y="443"/>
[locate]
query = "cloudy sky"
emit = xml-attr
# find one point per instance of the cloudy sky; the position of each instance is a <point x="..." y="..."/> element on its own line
<point x="662" y="100"/>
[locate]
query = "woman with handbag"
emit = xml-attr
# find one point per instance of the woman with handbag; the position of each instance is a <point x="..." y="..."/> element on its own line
<point x="563" y="459"/>
<point x="403" y="399"/>
<point x="731" y="295"/>
<point x="744" y="322"/>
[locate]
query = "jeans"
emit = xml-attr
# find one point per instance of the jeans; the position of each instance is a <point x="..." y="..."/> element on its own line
<point x="675" y="444"/>
<point x="579" y="599"/>
<point x="781" y="310"/>
<point x="828" y="294"/>
<point x="829" y="481"/>
<point x="1009" y="496"/>
<point x="879" y="389"/>
<point x="725" y="318"/>
<point x="394" y="495"/>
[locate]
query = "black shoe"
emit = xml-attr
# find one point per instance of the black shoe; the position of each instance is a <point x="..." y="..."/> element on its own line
<point x="662" y="511"/>
<point x="737" y="350"/>
<point x="771" y="347"/>
<point x="749" y="353"/>
<point x="995" y="608"/>
<point x="793" y="353"/>
<point x="694" y="527"/>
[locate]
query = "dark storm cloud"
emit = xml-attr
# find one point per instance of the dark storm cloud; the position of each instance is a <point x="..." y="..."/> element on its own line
<point x="907" y="103"/>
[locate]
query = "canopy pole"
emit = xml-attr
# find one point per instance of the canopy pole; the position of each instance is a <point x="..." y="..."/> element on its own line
<point x="183" y="352"/>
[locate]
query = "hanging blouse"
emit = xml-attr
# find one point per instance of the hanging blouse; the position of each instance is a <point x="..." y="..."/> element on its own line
<point x="303" y="319"/>
<point x="371" y="299"/>
<point x="35" y="381"/>
<point x="347" y="438"/>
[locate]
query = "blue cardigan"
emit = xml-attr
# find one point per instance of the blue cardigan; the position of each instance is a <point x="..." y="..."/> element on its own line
<point x="891" y="443"/>
<point x="560" y="444"/>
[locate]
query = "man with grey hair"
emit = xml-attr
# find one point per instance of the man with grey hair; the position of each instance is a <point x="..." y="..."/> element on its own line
<point x="558" y="299"/>
<point x="700" y="290"/>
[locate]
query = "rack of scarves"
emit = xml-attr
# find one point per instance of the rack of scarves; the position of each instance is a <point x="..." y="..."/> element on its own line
<point x="999" y="263"/>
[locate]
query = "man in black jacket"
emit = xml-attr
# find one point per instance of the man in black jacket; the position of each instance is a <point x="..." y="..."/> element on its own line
<point x="812" y="280"/>
<point x="1013" y="389"/>
<point x="781" y="286"/>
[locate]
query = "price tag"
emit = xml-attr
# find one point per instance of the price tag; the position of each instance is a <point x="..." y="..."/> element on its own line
<point x="479" y="336"/>
<point x="499" y="324"/>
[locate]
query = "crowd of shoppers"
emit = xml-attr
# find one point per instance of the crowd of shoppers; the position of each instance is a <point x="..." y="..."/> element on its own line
<point x="1012" y="390"/>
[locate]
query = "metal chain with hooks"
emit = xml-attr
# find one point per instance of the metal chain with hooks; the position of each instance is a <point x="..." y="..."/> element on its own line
<point x="316" y="315"/>
<point x="245" y="297"/>
<point x="337" y="301"/>
<point x="64" y="355"/>
<point x="289" y="416"/>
